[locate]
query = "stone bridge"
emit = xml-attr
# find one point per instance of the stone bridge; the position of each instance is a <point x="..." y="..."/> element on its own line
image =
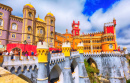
<point x="69" y="69"/>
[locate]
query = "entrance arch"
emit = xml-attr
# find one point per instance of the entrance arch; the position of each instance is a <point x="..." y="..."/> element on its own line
<point x="75" y="71"/>
<point x="56" y="75"/>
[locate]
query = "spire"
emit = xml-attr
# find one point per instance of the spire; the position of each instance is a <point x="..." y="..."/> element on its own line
<point x="114" y="19"/>
<point x="38" y="15"/>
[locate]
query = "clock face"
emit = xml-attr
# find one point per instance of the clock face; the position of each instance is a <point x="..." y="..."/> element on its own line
<point x="76" y="25"/>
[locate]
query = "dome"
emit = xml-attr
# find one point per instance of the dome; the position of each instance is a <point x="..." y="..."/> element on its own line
<point x="29" y="5"/>
<point x="50" y="14"/>
<point x="124" y="47"/>
<point x="39" y="19"/>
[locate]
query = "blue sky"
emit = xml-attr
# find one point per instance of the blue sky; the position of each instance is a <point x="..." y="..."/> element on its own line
<point x="92" y="14"/>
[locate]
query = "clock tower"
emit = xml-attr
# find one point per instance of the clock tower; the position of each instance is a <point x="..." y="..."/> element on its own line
<point x="75" y="29"/>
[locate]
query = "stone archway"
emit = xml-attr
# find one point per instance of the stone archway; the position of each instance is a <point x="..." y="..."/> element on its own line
<point x="92" y="70"/>
<point x="75" y="71"/>
<point x="56" y="75"/>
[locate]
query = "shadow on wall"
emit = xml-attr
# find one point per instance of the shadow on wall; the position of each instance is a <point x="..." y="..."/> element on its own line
<point x="25" y="78"/>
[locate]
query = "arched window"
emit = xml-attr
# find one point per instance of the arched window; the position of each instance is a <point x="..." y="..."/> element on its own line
<point x="41" y="31"/>
<point x="51" y="33"/>
<point x="1" y="22"/>
<point x="29" y="28"/>
<point x="14" y="26"/>
<point x="110" y="46"/>
<point x="1" y="13"/>
<point x="13" y="35"/>
<point x="30" y="14"/>
<point x="28" y="37"/>
<point x="51" y="21"/>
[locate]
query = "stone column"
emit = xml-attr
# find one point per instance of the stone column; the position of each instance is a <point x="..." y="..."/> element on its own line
<point x="83" y="77"/>
<point x="42" y="50"/>
<point x="67" y="69"/>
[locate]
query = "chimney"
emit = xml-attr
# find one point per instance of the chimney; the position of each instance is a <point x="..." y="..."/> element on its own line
<point x="66" y="30"/>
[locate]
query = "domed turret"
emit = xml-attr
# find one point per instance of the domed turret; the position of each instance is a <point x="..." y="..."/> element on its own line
<point x="50" y="14"/>
<point x="39" y="19"/>
<point x="29" y="6"/>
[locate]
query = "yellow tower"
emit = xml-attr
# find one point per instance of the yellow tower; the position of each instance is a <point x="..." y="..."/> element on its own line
<point x="42" y="51"/>
<point x="80" y="47"/>
<point x="28" y="23"/>
<point x="66" y="49"/>
<point x="50" y="29"/>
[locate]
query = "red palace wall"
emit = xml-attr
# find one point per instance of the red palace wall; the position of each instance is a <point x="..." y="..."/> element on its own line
<point x="23" y="47"/>
<point x="110" y="29"/>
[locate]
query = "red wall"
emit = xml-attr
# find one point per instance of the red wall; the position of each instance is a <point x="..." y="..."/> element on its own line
<point x="23" y="47"/>
<point x="110" y="29"/>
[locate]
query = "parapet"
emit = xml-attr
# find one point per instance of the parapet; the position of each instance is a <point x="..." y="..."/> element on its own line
<point x="42" y="45"/>
<point x="80" y="44"/>
<point x="66" y="44"/>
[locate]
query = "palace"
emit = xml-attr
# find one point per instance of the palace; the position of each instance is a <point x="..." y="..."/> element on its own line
<point x="14" y="29"/>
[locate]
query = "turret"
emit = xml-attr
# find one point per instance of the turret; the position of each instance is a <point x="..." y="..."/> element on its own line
<point x="114" y="21"/>
<point x="28" y="23"/>
<point x="80" y="47"/>
<point x="42" y="51"/>
<point x="66" y="49"/>
<point x="50" y="30"/>
<point x="75" y="29"/>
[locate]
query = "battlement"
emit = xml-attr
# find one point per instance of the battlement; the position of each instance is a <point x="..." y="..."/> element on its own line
<point x="17" y="61"/>
<point x="74" y="54"/>
<point x="66" y="44"/>
<point x="42" y="45"/>
<point x="57" y="57"/>
<point x="80" y="44"/>
<point x="109" y="24"/>
<point x="93" y="33"/>
<point x="104" y="54"/>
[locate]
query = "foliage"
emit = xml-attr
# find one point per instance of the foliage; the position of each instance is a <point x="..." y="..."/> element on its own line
<point x="90" y="71"/>
<point x="128" y="81"/>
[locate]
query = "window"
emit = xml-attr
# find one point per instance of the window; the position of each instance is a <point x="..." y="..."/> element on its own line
<point x="0" y="32"/>
<point x="67" y="36"/>
<point x="28" y="37"/>
<point x="56" y="37"/>
<point x="14" y="26"/>
<point x="110" y="46"/>
<point x="41" y="31"/>
<point x="63" y="40"/>
<point x="51" y="21"/>
<point x="38" y="31"/>
<point x="13" y="35"/>
<point x="1" y="22"/>
<point x="30" y="14"/>
<point x="58" y="44"/>
<point x="1" y="13"/>
<point x="51" y="33"/>
<point x="51" y="40"/>
<point x="29" y="28"/>
<point x="76" y="32"/>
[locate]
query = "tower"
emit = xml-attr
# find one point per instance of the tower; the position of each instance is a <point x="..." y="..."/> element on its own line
<point x="42" y="51"/>
<point x="109" y="37"/>
<point x="75" y="29"/>
<point x="50" y="29"/>
<point x="66" y="48"/>
<point x="28" y="23"/>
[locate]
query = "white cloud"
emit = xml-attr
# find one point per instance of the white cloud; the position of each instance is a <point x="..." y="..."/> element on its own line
<point x="119" y="10"/>
<point x="65" y="11"/>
